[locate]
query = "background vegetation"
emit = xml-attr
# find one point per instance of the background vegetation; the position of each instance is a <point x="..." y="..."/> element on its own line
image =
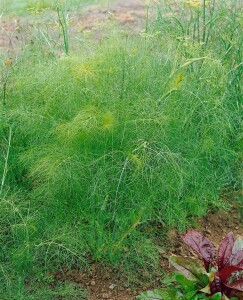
<point x="104" y="145"/>
<point x="24" y="7"/>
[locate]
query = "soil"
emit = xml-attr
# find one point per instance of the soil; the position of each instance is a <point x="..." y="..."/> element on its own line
<point x="103" y="283"/>
<point x="125" y="12"/>
<point x="15" y="31"/>
<point x="9" y="33"/>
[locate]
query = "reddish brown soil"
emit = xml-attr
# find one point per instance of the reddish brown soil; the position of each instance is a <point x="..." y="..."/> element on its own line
<point x="107" y="284"/>
<point x="100" y="283"/>
<point x="92" y="18"/>
<point x="123" y="11"/>
<point x="9" y="32"/>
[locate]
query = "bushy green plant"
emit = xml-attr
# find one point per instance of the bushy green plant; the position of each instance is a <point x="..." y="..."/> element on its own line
<point x="110" y="140"/>
<point x="102" y="146"/>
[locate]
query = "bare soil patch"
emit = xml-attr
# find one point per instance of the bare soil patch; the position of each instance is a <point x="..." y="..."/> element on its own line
<point x="9" y="32"/>
<point x="126" y="13"/>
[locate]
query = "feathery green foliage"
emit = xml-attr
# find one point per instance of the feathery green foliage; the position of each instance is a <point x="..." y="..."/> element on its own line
<point x="107" y="142"/>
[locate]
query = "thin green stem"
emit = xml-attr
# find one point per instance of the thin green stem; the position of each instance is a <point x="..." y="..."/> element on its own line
<point x="4" y="91"/>
<point x="211" y="23"/>
<point x="63" y="24"/>
<point x="147" y="19"/>
<point x="5" y="171"/>
<point x="198" y="28"/>
<point x="204" y="21"/>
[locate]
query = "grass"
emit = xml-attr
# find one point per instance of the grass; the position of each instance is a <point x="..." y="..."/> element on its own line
<point x="101" y="146"/>
<point x="26" y="7"/>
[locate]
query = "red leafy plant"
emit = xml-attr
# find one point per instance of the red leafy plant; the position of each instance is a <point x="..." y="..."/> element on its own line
<point x="224" y="270"/>
<point x="221" y="277"/>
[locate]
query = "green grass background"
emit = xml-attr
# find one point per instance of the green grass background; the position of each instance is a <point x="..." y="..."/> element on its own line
<point x="25" y="7"/>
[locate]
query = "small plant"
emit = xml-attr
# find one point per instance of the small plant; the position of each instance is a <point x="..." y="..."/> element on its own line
<point x="221" y="277"/>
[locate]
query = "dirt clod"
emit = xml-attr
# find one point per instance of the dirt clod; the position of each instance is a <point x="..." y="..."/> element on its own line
<point x="92" y="283"/>
<point x="105" y="296"/>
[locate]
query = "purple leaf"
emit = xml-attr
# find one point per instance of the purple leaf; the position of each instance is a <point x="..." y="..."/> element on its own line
<point x="225" y="250"/>
<point x="236" y="259"/>
<point x="238" y="244"/>
<point x="201" y="245"/>
<point x="237" y="285"/>
<point x="226" y="272"/>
